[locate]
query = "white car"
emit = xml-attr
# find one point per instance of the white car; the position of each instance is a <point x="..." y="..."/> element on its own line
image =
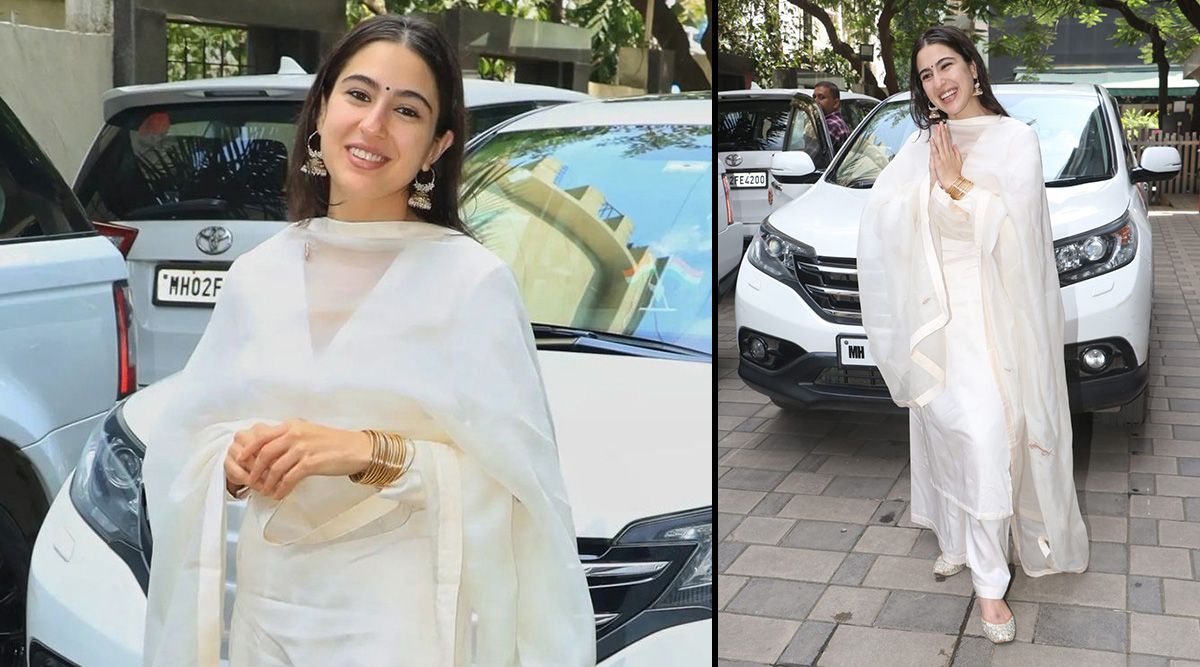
<point x="603" y="210"/>
<point x="729" y="236"/>
<point x="757" y="125"/>
<point x="797" y="309"/>
<point x="66" y="352"/>
<point x="184" y="177"/>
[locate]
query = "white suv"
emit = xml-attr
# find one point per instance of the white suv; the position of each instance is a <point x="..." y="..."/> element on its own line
<point x="797" y="310"/>
<point x="186" y="176"/>
<point x="66" y="352"/>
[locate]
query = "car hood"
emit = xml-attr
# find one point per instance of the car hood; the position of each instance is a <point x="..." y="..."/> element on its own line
<point x="634" y="436"/>
<point x="827" y="216"/>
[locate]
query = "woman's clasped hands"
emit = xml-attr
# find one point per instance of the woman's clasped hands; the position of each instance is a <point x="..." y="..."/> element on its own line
<point x="272" y="459"/>
<point x="945" y="162"/>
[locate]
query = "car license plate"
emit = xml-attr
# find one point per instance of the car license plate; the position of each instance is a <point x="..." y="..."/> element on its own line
<point x="853" y="351"/>
<point x="187" y="287"/>
<point x="748" y="179"/>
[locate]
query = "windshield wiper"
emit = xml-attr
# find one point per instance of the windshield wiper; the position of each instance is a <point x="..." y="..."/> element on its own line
<point x="860" y="183"/>
<point x="554" y="336"/>
<point x="1077" y="180"/>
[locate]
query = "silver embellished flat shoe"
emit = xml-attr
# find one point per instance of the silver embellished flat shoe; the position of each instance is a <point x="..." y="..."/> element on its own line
<point x="945" y="569"/>
<point x="1000" y="633"/>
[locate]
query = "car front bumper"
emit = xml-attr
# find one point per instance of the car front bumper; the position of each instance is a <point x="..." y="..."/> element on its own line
<point x="1115" y="307"/>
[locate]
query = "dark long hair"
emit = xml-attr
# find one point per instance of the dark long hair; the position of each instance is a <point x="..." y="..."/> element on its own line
<point x="959" y="41"/>
<point x="308" y="196"/>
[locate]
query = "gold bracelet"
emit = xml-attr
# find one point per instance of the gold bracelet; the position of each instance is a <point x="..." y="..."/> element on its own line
<point x="957" y="190"/>
<point x="389" y="459"/>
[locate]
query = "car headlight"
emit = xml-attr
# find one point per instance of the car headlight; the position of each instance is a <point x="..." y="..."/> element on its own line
<point x="107" y="490"/>
<point x="692" y="587"/>
<point x="774" y="253"/>
<point x="1096" y="252"/>
<point x="656" y="574"/>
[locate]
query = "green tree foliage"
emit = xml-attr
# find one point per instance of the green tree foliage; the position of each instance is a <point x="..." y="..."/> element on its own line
<point x="1134" y="120"/>
<point x="613" y="23"/>
<point x="196" y="51"/>
<point x="1161" y="29"/>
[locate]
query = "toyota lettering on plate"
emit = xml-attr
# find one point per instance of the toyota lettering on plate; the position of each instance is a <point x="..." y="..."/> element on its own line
<point x="853" y="351"/>
<point x="187" y="287"/>
<point x="747" y="179"/>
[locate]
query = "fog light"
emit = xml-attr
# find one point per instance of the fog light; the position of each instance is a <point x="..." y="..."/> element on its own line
<point x="758" y="349"/>
<point x="1095" y="359"/>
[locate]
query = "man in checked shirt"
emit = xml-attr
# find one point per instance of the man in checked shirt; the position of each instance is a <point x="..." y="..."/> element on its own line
<point x="829" y="98"/>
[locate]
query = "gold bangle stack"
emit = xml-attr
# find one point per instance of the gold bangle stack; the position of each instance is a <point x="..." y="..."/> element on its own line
<point x="959" y="189"/>
<point x="391" y="457"/>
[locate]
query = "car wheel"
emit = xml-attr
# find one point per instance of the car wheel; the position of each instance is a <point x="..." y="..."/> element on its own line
<point x="14" y="572"/>
<point x="1130" y="414"/>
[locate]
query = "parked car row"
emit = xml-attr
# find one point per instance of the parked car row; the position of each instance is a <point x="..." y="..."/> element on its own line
<point x="797" y="308"/>
<point x="602" y="209"/>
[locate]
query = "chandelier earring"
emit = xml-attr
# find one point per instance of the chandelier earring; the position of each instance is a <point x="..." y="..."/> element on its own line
<point x="420" y="193"/>
<point x="978" y="88"/>
<point x="935" y="114"/>
<point x="314" y="165"/>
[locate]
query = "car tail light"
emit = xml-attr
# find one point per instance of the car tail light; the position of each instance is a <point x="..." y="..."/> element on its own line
<point x="120" y="235"/>
<point x="728" y="206"/>
<point x="126" y="341"/>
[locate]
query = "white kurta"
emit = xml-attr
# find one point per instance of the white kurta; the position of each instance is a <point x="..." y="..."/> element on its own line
<point x="959" y="443"/>
<point x="963" y="313"/>
<point x="468" y="560"/>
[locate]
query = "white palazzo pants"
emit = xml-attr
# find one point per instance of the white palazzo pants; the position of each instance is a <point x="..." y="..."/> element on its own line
<point x="961" y="481"/>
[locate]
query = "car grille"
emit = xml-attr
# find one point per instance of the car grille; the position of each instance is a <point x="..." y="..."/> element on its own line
<point x="831" y="285"/>
<point x="861" y="378"/>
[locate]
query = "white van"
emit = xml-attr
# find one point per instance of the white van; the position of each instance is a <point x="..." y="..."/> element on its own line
<point x="798" y="317"/>
<point x="757" y="125"/>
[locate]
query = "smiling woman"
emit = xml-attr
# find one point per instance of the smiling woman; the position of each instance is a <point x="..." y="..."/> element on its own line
<point x="369" y="381"/>
<point x="961" y="305"/>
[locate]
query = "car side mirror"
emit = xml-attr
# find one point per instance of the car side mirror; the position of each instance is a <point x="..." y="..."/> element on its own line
<point x="792" y="167"/>
<point x="1158" y="163"/>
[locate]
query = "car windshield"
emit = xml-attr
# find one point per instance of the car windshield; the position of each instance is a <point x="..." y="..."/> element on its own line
<point x="752" y="125"/>
<point x="1074" y="141"/>
<point x="202" y="161"/>
<point x="34" y="200"/>
<point x="607" y="228"/>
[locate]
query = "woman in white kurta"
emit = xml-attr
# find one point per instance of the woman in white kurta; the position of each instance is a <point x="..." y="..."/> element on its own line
<point x="369" y="381"/>
<point x="961" y="305"/>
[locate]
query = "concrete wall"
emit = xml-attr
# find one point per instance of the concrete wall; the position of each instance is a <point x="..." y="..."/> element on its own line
<point x="53" y="81"/>
<point x="44" y="13"/>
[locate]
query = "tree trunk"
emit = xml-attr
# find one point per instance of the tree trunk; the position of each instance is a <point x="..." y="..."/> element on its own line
<point x="1159" y="48"/>
<point x="887" y="44"/>
<point x="670" y="35"/>
<point x="706" y="39"/>
<point x="1191" y="11"/>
